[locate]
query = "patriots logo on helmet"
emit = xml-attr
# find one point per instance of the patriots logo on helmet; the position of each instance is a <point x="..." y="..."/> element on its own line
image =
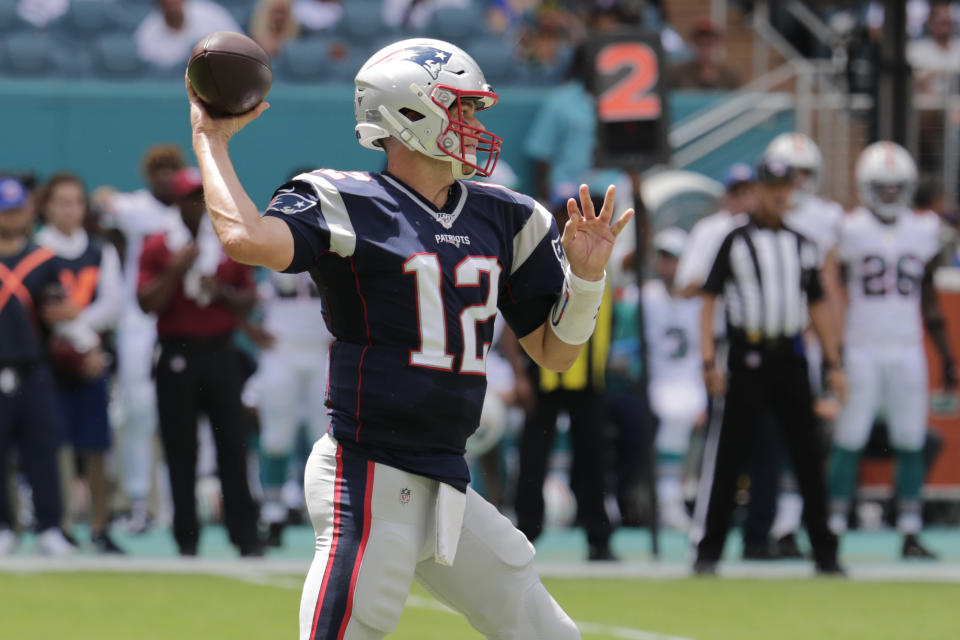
<point x="430" y="58"/>
<point x="288" y="202"/>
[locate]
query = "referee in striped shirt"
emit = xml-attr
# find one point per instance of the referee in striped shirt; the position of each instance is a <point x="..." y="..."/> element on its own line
<point x="768" y="276"/>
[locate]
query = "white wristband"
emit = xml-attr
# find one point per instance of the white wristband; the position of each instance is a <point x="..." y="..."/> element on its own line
<point x="574" y="314"/>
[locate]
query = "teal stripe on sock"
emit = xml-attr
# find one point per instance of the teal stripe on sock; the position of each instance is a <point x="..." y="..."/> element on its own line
<point x="842" y="473"/>
<point x="910" y="474"/>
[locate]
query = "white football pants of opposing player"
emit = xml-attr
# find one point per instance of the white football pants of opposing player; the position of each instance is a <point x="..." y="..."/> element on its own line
<point x="291" y="385"/>
<point x="678" y="405"/>
<point x="889" y="381"/>
<point x="136" y="339"/>
<point x="377" y="528"/>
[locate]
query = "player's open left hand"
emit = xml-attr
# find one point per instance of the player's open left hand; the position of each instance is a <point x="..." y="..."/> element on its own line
<point x="588" y="237"/>
<point x="222" y="127"/>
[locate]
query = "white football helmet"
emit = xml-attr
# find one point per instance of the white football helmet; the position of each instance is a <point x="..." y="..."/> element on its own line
<point x="801" y="153"/>
<point x="886" y="178"/>
<point x="413" y="90"/>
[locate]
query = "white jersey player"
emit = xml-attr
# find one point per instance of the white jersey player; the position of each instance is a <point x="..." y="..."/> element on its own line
<point x="887" y="252"/>
<point x="136" y="215"/>
<point x="677" y="395"/>
<point x="290" y="383"/>
<point x="706" y="236"/>
<point x="816" y="218"/>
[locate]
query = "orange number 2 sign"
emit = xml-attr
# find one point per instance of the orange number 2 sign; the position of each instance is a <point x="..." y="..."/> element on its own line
<point x="629" y="99"/>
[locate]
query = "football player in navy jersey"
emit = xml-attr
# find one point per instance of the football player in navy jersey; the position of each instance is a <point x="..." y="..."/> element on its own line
<point x="413" y="264"/>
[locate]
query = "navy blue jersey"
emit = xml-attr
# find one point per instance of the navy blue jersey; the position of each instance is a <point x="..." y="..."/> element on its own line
<point x="25" y="279"/>
<point x="80" y="276"/>
<point x="410" y="293"/>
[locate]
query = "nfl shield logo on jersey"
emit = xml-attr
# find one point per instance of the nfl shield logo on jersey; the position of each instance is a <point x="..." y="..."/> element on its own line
<point x="404" y="496"/>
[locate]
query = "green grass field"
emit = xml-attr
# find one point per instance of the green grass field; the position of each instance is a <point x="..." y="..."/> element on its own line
<point x="120" y="606"/>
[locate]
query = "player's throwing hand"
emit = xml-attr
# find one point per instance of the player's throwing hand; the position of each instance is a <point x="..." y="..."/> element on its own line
<point x="226" y="126"/>
<point x="587" y="237"/>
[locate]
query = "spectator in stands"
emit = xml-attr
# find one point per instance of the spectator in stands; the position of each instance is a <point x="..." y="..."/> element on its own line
<point x="92" y="288"/>
<point x="273" y="25"/>
<point x="547" y="44"/>
<point x="318" y="15"/>
<point x="40" y="13"/>
<point x="918" y="12"/>
<point x="506" y="16"/>
<point x="169" y="32"/>
<point x="29" y="422"/>
<point x="200" y="297"/>
<point x="706" y="70"/>
<point x="936" y="58"/>
<point x="415" y="14"/>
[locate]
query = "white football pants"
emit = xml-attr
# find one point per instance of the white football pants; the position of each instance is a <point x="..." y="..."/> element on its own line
<point x="136" y="340"/>
<point x="292" y="388"/>
<point x="376" y="530"/>
<point x="889" y="381"/>
<point x="677" y="405"/>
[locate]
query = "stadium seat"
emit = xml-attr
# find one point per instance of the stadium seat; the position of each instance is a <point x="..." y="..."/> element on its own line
<point x="28" y="54"/>
<point x="242" y="14"/>
<point x="115" y="58"/>
<point x="72" y="61"/>
<point x="10" y="21"/>
<point x="345" y="69"/>
<point x="496" y="58"/>
<point x="305" y="61"/>
<point x="133" y="14"/>
<point x="87" y="20"/>
<point x="455" y="24"/>
<point x="362" y="21"/>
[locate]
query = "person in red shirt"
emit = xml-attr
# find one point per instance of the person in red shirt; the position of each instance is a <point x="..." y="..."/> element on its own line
<point x="200" y="297"/>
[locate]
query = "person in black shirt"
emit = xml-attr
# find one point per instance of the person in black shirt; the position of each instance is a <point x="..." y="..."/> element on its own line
<point x="769" y="277"/>
<point x="28" y="401"/>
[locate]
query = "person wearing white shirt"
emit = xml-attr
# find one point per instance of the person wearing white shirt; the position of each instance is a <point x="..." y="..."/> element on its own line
<point x="136" y="215"/>
<point x="168" y="34"/>
<point x="936" y="58"/>
<point x="707" y="234"/>
<point x="415" y="13"/>
<point x="677" y="394"/>
<point x="318" y="15"/>
<point x="89" y="272"/>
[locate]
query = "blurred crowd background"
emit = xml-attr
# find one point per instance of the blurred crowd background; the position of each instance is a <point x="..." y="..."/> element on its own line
<point x="98" y="85"/>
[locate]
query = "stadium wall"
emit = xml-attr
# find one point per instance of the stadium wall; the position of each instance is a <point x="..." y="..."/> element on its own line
<point x="100" y="130"/>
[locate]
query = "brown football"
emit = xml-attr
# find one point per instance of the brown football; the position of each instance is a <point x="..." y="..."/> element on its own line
<point x="230" y="72"/>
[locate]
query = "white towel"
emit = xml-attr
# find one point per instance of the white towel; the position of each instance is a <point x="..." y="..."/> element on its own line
<point x="210" y="255"/>
<point x="451" y="505"/>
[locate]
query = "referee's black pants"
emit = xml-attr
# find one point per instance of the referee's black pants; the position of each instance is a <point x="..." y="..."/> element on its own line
<point x="766" y="382"/>
<point x="195" y="377"/>
<point x="587" y="426"/>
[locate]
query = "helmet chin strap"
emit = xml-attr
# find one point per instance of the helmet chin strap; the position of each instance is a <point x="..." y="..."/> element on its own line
<point x="463" y="171"/>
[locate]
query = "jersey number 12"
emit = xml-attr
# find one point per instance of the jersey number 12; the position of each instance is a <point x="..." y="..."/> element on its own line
<point x="432" y="353"/>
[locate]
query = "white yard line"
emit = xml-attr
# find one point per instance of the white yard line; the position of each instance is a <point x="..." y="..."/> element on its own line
<point x="593" y="628"/>
<point x="919" y="571"/>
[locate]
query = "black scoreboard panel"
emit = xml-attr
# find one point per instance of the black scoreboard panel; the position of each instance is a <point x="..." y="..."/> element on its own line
<point x="626" y="77"/>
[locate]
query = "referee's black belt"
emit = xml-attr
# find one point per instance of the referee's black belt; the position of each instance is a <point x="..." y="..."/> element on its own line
<point x="194" y="343"/>
<point x="757" y="341"/>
